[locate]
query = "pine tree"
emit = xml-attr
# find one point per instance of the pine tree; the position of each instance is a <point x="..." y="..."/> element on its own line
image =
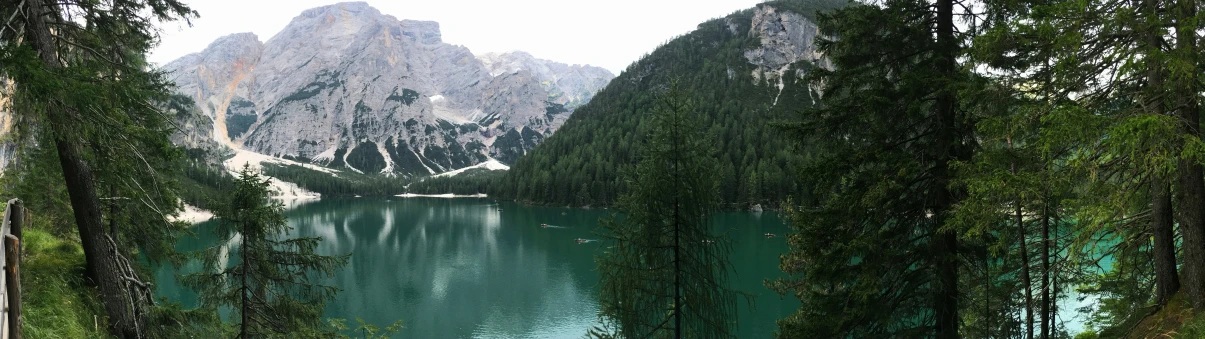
<point x="664" y="273"/>
<point x="84" y="90"/>
<point x="273" y="288"/>
<point x="1115" y="137"/>
<point x="875" y="255"/>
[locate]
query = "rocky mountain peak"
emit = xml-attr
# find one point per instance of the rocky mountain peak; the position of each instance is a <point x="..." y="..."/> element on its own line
<point x="426" y="32"/>
<point x="786" y="38"/>
<point x="352" y="8"/>
<point x="346" y="86"/>
<point x="568" y="85"/>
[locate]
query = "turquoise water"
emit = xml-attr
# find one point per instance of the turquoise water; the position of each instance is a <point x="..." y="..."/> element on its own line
<point x="476" y="268"/>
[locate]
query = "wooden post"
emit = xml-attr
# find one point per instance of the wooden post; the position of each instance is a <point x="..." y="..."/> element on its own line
<point x="17" y="220"/>
<point x="12" y="266"/>
<point x="13" y="283"/>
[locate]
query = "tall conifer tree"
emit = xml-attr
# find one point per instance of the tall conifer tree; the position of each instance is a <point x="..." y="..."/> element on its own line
<point x="876" y="255"/>
<point x="272" y="288"/>
<point x="664" y="273"/>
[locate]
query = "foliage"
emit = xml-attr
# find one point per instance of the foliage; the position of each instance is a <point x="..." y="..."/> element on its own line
<point x="237" y="124"/>
<point x="272" y="290"/>
<point x="202" y="185"/>
<point x="663" y="272"/>
<point x="365" y="158"/>
<point x="580" y="163"/>
<point x="340" y="184"/>
<point x="875" y="253"/>
<point x="56" y="303"/>
<point x="364" y="330"/>
<point x="472" y="181"/>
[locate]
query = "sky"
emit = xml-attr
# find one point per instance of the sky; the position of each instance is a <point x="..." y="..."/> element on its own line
<point x="608" y="33"/>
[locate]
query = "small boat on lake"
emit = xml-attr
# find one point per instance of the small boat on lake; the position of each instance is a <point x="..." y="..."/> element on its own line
<point x="769" y="235"/>
<point x="581" y="241"/>
<point x="544" y="225"/>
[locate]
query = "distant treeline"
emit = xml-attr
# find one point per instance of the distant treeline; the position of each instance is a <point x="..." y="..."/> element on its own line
<point x="733" y="100"/>
<point x="344" y="184"/>
<point x="474" y="181"/>
<point x="201" y="184"/>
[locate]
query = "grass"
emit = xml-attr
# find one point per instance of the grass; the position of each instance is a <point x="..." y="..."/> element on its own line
<point x="56" y="302"/>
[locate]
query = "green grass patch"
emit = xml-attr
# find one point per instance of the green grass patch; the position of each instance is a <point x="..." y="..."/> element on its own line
<point x="56" y="302"/>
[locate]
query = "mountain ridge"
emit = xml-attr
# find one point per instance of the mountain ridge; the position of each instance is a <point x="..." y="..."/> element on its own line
<point x="346" y="86"/>
<point x="739" y="72"/>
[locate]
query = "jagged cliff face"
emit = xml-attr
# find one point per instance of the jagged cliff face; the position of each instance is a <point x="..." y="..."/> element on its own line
<point x="195" y="132"/>
<point x="786" y="38"/>
<point x="217" y="78"/>
<point x="8" y="146"/>
<point x="344" y="85"/>
<point x="568" y="85"/>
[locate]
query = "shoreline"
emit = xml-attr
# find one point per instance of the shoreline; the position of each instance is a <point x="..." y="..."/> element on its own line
<point x="445" y="195"/>
<point x="192" y="215"/>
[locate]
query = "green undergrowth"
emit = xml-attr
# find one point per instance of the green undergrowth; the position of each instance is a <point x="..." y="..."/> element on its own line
<point x="1176" y="320"/>
<point x="1193" y="328"/>
<point x="56" y="303"/>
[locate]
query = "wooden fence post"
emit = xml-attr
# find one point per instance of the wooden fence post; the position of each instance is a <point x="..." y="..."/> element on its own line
<point x="12" y="268"/>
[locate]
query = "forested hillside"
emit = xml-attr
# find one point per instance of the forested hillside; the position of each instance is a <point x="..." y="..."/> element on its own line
<point x="581" y="164"/>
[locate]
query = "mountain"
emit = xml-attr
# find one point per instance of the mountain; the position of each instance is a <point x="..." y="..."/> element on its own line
<point x="568" y="85"/>
<point x="743" y="72"/>
<point x="345" y="86"/>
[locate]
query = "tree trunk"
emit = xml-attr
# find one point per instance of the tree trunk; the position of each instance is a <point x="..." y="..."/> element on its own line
<point x="1025" y="279"/>
<point x="945" y="242"/>
<point x="246" y="310"/>
<point x="1167" y="281"/>
<point x="677" y="224"/>
<point x="1046" y="316"/>
<point x="1192" y="182"/>
<point x="101" y="262"/>
<point x="101" y="265"/>
<point x="1055" y="269"/>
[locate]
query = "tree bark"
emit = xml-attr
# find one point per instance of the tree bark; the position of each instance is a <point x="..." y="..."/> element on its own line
<point x="101" y="265"/>
<point x="246" y="309"/>
<point x="677" y="246"/>
<point x="1167" y="281"/>
<point x="1192" y="179"/>
<point x="1046" y="316"/>
<point x="945" y="242"/>
<point x="1025" y="278"/>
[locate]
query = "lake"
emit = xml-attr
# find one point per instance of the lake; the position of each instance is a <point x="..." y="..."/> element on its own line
<point x="477" y="268"/>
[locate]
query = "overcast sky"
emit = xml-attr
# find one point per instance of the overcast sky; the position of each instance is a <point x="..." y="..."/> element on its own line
<point x="606" y="33"/>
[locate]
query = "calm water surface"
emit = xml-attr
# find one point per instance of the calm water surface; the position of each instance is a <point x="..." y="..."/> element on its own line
<point x="476" y="268"/>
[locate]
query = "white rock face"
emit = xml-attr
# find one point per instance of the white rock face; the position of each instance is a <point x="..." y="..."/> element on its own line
<point x="8" y="146"/>
<point x="568" y="85"/>
<point x="218" y="76"/>
<point x="346" y="85"/>
<point x="786" y="38"/>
